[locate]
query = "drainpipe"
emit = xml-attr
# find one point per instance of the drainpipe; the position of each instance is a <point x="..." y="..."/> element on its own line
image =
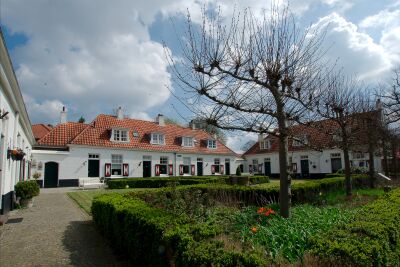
<point x="174" y="164"/>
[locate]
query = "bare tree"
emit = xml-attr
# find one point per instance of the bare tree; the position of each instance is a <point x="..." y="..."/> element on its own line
<point x="255" y="74"/>
<point x="344" y="104"/>
<point x="391" y="98"/>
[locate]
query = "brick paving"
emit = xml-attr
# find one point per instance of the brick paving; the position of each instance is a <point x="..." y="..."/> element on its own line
<point x="54" y="232"/>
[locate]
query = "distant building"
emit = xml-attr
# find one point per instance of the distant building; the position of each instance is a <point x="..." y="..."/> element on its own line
<point x="16" y="138"/>
<point x="117" y="147"/>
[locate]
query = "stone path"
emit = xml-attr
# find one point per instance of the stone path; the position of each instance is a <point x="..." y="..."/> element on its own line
<point x="54" y="232"/>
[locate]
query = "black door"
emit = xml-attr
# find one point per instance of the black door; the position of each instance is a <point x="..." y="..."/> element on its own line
<point x="146" y="168"/>
<point x="267" y="168"/>
<point x="94" y="168"/>
<point x="305" y="171"/>
<point x="199" y="168"/>
<point x="51" y="174"/>
<point x="336" y="164"/>
<point x="227" y="168"/>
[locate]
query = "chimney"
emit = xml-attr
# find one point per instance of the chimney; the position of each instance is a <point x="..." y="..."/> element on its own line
<point x="160" y="120"/>
<point x="120" y="113"/>
<point x="378" y="104"/>
<point x="63" y="115"/>
<point x="192" y="125"/>
<point x="260" y="137"/>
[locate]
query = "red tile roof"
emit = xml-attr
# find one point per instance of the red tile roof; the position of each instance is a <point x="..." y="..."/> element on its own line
<point x="62" y="134"/>
<point x="98" y="134"/>
<point x="40" y="130"/>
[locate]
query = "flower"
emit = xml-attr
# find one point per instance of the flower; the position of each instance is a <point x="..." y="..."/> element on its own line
<point x="254" y="229"/>
<point x="261" y="210"/>
<point x="269" y="212"/>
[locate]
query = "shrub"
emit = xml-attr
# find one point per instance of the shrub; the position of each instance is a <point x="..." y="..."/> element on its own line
<point x="238" y="171"/>
<point x="372" y="239"/>
<point x="153" y="237"/>
<point x="27" y="189"/>
<point x="159" y="181"/>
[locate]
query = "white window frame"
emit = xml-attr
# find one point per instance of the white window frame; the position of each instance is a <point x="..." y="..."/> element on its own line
<point x="157" y="139"/>
<point x="187" y="141"/>
<point x="93" y="156"/>
<point x="300" y="141"/>
<point x="265" y="144"/>
<point x="358" y="155"/>
<point x="120" y="135"/>
<point x="116" y="163"/>
<point x="164" y="162"/>
<point x="186" y="162"/>
<point x="217" y="165"/>
<point x="212" y="144"/>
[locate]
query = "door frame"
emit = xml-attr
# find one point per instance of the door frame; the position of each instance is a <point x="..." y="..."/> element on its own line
<point x="143" y="168"/>
<point x="308" y="168"/>
<point x="98" y="170"/>
<point x="58" y="173"/>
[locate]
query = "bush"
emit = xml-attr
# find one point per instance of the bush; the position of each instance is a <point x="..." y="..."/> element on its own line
<point x="27" y="189"/>
<point x="152" y="237"/>
<point x="160" y="181"/>
<point x="238" y="171"/>
<point x="372" y="239"/>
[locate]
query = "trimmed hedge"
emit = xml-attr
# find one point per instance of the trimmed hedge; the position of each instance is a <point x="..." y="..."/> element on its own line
<point x="372" y="239"/>
<point x="153" y="237"/>
<point x="27" y="189"/>
<point x="157" y="182"/>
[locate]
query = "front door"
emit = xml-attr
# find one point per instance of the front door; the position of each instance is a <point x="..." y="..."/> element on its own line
<point x="146" y="168"/>
<point x="199" y="168"/>
<point x="336" y="164"/>
<point x="267" y="168"/>
<point x="50" y="174"/>
<point x="305" y="171"/>
<point x="94" y="168"/>
<point x="227" y="168"/>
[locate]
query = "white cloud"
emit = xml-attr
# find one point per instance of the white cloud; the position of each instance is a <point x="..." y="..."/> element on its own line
<point x="48" y="110"/>
<point x="357" y="52"/>
<point x="236" y="141"/>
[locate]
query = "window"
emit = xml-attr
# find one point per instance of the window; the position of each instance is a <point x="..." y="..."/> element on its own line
<point x="94" y="156"/>
<point x="186" y="165"/>
<point x="304" y="157"/>
<point x="212" y="144"/>
<point x="265" y="144"/>
<point x="120" y="135"/>
<point x="116" y="164"/>
<point x="187" y="141"/>
<point x="157" y="139"/>
<point x="163" y="165"/>
<point x="358" y="155"/>
<point x="255" y="165"/>
<point x="267" y="159"/>
<point x="300" y="140"/>
<point x="199" y="159"/>
<point x="335" y="155"/>
<point x="217" y="163"/>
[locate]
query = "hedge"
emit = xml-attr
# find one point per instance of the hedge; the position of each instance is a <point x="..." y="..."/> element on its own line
<point x="156" y="182"/>
<point x="153" y="237"/>
<point x="372" y="239"/>
<point x="307" y="192"/>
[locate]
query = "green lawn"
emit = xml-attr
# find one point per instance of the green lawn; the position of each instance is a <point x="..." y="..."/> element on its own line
<point x="84" y="198"/>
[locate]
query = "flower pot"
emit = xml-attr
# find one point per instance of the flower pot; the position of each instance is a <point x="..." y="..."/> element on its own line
<point x="26" y="203"/>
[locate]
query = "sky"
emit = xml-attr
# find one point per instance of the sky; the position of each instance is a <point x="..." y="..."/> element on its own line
<point x="95" y="55"/>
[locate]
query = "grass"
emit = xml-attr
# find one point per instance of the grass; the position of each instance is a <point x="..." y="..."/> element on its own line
<point x="84" y="198"/>
<point x="360" y="197"/>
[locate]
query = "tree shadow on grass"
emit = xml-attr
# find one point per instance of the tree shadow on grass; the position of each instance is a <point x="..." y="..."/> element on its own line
<point x="87" y="247"/>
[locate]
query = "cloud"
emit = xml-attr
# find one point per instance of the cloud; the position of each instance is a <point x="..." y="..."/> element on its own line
<point x="356" y="51"/>
<point x="236" y="141"/>
<point x="48" y="110"/>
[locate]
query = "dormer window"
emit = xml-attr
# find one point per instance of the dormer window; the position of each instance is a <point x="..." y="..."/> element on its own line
<point x="300" y="140"/>
<point x="157" y="139"/>
<point x="187" y="141"/>
<point x="265" y="144"/>
<point x="212" y="144"/>
<point x="119" y="135"/>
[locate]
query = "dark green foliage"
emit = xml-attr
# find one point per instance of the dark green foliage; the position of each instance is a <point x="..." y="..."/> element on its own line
<point x="156" y="182"/>
<point x="238" y="172"/>
<point x="27" y="189"/>
<point x="372" y="239"/>
<point x="153" y="237"/>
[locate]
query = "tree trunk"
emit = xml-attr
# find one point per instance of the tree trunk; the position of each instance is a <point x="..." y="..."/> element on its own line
<point x="385" y="159"/>
<point x="284" y="192"/>
<point x="347" y="167"/>
<point x="394" y="160"/>
<point x="371" y="164"/>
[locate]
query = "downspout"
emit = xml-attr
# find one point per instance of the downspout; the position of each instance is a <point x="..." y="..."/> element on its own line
<point x="174" y="164"/>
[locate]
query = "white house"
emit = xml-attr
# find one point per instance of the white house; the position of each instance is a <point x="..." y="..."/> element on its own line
<point x="116" y="147"/>
<point x="16" y="133"/>
<point x="313" y="152"/>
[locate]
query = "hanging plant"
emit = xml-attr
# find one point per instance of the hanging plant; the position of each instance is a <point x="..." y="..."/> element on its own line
<point x="16" y="154"/>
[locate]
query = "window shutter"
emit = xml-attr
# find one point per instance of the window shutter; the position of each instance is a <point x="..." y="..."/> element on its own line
<point x="157" y="166"/>
<point x="222" y="169"/>
<point x="125" y="168"/>
<point x="107" y="170"/>
<point x="212" y="169"/>
<point x="193" y="169"/>
<point x="180" y="169"/>
<point x="171" y="169"/>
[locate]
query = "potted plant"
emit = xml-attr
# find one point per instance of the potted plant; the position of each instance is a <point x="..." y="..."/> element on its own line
<point x="25" y="192"/>
<point x="36" y="175"/>
<point x="16" y="154"/>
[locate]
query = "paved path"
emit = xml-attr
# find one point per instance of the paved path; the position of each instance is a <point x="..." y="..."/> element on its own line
<point x="54" y="232"/>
